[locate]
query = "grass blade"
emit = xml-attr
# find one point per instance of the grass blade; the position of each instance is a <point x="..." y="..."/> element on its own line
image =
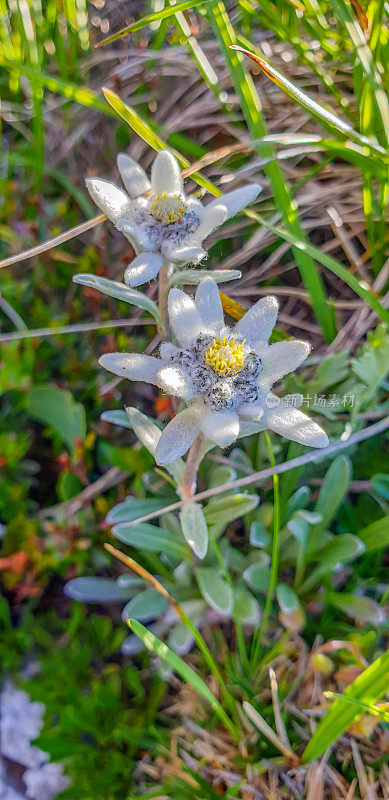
<point x="187" y="673"/>
<point x="156" y="17"/>
<point x="326" y="116"/>
<point x="364" y="56"/>
<point x="367" y="689"/>
<point x="252" y="113"/>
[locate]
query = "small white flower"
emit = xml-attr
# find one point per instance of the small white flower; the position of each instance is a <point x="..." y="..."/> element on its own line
<point x="162" y="224"/>
<point x="224" y="374"/>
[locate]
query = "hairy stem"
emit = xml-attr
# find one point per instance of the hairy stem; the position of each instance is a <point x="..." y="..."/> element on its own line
<point x="163" y="280"/>
<point x="192" y="467"/>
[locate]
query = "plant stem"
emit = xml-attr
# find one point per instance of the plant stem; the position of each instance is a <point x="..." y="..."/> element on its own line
<point x="192" y="467"/>
<point x="257" y="638"/>
<point x="163" y="279"/>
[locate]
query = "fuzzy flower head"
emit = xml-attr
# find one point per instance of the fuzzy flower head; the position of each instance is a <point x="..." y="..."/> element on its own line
<point x="160" y="221"/>
<point x="223" y="374"/>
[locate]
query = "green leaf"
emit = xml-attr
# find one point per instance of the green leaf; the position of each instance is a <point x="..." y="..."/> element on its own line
<point x="150" y="537"/>
<point x="380" y="483"/>
<point x="120" y="291"/>
<point x="338" y="551"/>
<point x="57" y="407"/>
<point x="194" y="527"/>
<point x="246" y="607"/>
<point x="215" y="591"/>
<point x="96" y="590"/>
<point x="169" y="11"/>
<point x="148" y="434"/>
<point x="131" y="509"/>
<point x="259" y="537"/>
<point x="376" y="535"/>
<point x="332" y="492"/>
<point x="187" y="673"/>
<point x="367" y="688"/>
<point x="287" y="598"/>
<point x="222" y="510"/>
<point x="116" y="417"/>
<point x="145" y="606"/>
<point x="257" y="576"/>
<point x="361" y="608"/>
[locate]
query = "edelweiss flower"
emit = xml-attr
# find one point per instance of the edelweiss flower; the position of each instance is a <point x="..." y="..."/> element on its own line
<point x="162" y="224"/>
<point x="224" y="374"/>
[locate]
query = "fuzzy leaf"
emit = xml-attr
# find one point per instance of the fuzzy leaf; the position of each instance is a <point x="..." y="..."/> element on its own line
<point x="194" y="527"/>
<point x="215" y="591"/>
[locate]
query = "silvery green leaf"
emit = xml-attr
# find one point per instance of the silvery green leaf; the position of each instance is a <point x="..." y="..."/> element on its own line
<point x="222" y="475"/>
<point x="299" y="528"/>
<point x="96" y="590"/>
<point x="362" y="608"/>
<point x="333" y="490"/>
<point x="132" y="508"/>
<point x="246" y="607"/>
<point x="215" y="591"/>
<point x="146" y="430"/>
<point x="259" y="536"/>
<point x="180" y="639"/>
<point x="148" y="434"/>
<point x="194" y="527"/>
<point x="194" y="276"/>
<point x="116" y="417"/>
<point x="222" y="510"/>
<point x="150" y="537"/>
<point x="145" y="606"/>
<point x="130" y="581"/>
<point x="257" y="577"/>
<point x="120" y="291"/>
<point x="286" y="598"/>
<point x="338" y="551"/>
<point x="297" y="501"/>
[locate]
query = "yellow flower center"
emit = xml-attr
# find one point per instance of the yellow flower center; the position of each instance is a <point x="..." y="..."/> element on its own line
<point x="226" y="357"/>
<point x="167" y="208"/>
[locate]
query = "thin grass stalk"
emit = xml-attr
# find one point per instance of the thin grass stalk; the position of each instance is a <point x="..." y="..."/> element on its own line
<point x="259" y="633"/>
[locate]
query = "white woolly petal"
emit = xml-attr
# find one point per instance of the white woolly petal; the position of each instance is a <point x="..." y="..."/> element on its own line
<point x="135" y="234"/>
<point x="222" y="427"/>
<point x="252" y="411"/>
<point x="281" y="358"/>
<point x="293" y="424"/>
<point x="109" y="198"/>
<point x="187" y="254"/>
<point x="143" y="268"/>
<point x="132" y="175"/>
<point x="209" y="305"/>
<point x="212" y="217"/>
<point x="178" y="436"/>
<point x="174" y="380"/>
<point x="184" y="317"/>
<point x="234" y="201"/>
<point x="165" y="174"/>
<point x="167" y="350"/>
<point x="134" y="366"/>
<point x="258" y="322"/>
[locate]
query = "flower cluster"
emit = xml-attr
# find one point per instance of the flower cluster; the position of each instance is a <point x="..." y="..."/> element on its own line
<point x="161" y="222"/>
<point x="224" y="375"/>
